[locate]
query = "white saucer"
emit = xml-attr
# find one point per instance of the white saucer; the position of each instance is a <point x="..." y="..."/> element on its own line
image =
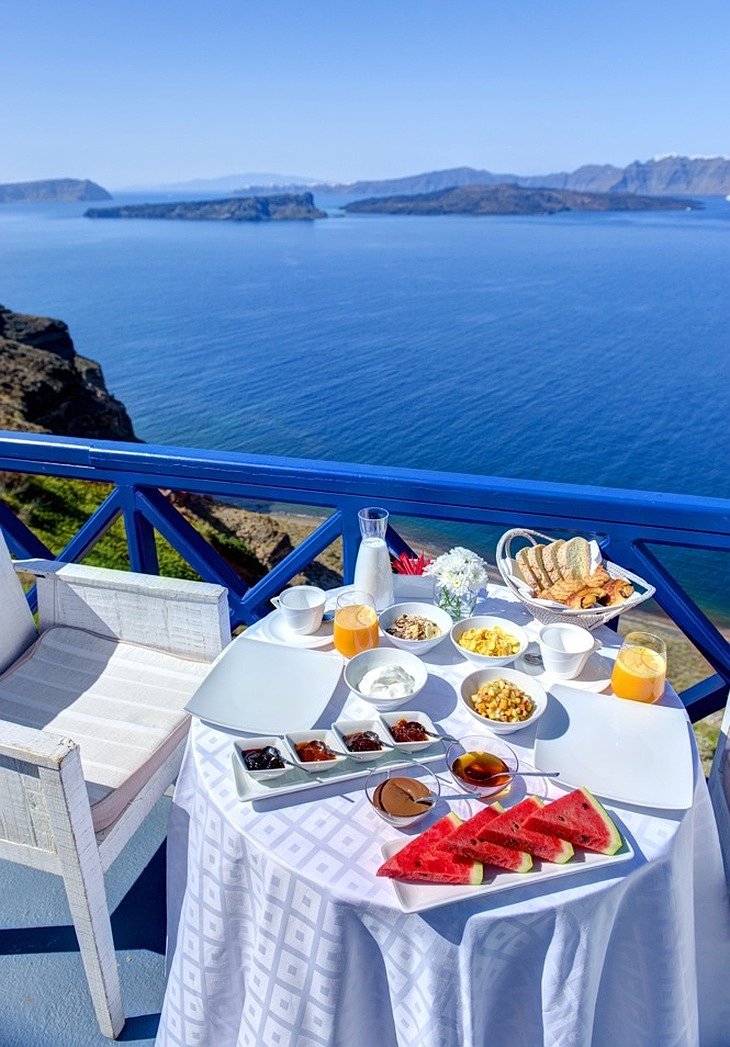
<point x="276" y="630"/>
<point x="596" y="674"/>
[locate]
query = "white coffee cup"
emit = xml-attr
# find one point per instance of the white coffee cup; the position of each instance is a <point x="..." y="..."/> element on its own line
<point x="565" y="649"/>
<point x="301" y="607"/>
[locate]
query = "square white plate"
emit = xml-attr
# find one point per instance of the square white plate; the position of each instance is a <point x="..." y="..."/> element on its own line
<point x="266" y="688"/>
<point x="620" y="750"/>
<point x="418" y="897"/>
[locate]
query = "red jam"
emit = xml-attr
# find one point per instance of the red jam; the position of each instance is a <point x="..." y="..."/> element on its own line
<point x="409" y="731"/>
<point x="314" y="751"/>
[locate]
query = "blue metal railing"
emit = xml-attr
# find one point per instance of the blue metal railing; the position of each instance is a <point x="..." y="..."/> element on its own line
<point x="626" y="522"/>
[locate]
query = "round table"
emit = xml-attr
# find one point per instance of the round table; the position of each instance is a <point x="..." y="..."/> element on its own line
<point x="281" y="934"/>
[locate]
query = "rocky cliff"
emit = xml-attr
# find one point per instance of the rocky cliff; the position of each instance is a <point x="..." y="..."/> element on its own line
<point x="53" y="190"/>
<point x="45" y="386"/>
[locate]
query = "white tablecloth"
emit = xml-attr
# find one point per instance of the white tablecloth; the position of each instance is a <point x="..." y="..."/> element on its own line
<point x="280" y="933"/>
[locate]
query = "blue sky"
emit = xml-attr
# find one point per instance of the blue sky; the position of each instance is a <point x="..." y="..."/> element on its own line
<point x="135" y="93"/>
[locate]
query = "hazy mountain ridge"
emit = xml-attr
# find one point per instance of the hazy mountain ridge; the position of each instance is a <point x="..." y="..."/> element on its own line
<point x="698" y="175"/>
<point x="52" y="190"/>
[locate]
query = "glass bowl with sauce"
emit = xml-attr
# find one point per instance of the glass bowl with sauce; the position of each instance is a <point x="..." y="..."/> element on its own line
<point x="394" y="794"/>
<point x="484" y="765"/>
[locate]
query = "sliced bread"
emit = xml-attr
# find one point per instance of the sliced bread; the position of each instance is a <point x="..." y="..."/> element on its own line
<point x="525" y="570"/>
<point x="550" y="560"/>
<point x="534" y="559"/>
<point x="574" y="558"/>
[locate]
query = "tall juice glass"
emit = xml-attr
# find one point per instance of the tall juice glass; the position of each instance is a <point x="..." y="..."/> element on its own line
<point x="640" y="670"/>
<point x="356" y="623"/>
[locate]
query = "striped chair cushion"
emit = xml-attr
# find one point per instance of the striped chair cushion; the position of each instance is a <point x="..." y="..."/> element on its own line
<point x="123" y="704"/>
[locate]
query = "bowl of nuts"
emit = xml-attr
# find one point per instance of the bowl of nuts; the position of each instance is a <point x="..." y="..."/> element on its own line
<point x="415" y="627"/>
<point x="489" y="641"/>
<point x="504" y="700"/>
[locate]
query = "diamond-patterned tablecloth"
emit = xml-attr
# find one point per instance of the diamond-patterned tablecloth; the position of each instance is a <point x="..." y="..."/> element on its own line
<point x="280" y="933"/>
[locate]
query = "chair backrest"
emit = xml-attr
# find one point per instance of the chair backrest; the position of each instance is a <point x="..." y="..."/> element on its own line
<point x="719" y="783"/>
<point x="17" y="629"/>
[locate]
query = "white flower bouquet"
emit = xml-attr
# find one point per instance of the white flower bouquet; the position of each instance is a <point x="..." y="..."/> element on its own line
<point x="459" y="575"/>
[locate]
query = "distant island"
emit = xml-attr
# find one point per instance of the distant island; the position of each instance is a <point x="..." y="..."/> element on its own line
<point x="512" y="200"/>
<point x="669" y="174"/>
<point x="53" y="190"/>
<point x="286" y="207"/>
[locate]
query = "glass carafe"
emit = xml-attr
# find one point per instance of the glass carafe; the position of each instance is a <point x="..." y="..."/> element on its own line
<point x="373" y="572"/>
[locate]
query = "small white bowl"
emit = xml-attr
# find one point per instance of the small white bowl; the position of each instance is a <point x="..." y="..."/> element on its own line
<point x="471" y="684"/>
<point x="244" y="745"/>
<point x="412" y="714"/>
<point x="367" y="660"/>
<point x="486" y="621"/>
<point x="343" y="727"/>
<point x="426" y="610"/>
<point x="314" y="766"/>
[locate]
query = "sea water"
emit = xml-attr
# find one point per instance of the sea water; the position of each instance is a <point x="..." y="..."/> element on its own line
<point x="585" y="348"/>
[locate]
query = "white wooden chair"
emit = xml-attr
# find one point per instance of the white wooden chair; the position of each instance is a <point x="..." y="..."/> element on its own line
<point x="92" y="726"/>
<point x="719" y="784"/>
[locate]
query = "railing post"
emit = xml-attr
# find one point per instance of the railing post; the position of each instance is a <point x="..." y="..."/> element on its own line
<point x="350" y="543"/>
<point x="140" y="535"/>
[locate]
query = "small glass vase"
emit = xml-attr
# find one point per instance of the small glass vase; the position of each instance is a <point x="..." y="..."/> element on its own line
<point x="458" y="605"/>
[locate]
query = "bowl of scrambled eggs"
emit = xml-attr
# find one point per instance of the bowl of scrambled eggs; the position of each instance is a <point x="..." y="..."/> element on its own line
<point x="488" y="641"/>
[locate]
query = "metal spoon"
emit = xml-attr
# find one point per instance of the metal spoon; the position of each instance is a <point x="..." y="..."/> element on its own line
<point x="432" y="798"/>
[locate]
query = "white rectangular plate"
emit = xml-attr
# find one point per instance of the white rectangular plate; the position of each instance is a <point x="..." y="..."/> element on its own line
<point x="266" y="688"/>
<point x="418" y="897"/>
<point x="620" y="750"/>
<point x="295" y="780"/>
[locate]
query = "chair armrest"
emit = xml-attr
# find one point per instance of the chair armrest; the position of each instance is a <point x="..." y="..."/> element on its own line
<point x="30" y="745"/>
<point x="171" y="614"/>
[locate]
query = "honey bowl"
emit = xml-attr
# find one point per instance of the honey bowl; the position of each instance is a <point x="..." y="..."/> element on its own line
<point x="485" y="766"/>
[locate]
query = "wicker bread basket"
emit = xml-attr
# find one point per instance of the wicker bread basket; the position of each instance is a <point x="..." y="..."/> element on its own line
<point x="589" y="617"/>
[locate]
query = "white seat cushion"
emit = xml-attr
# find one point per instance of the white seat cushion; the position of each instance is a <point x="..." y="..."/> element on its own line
<point x="123" y="704"/>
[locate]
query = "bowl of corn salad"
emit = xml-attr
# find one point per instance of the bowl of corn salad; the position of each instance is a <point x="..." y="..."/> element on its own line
<point x="503" y="699"/>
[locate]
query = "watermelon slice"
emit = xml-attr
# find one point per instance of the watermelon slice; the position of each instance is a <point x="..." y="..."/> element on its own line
<point x="580" y="819"/>
<point x="494" y="854"/>
<point x="420" y="860"/>
<point x="509" y="830"/>
<point x="469" y="841"/>
<point x="471" y="830"/>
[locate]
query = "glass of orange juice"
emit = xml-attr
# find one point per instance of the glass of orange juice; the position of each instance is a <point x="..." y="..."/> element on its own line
<point x="640" y="670"/>
<point x="356" y="623"/>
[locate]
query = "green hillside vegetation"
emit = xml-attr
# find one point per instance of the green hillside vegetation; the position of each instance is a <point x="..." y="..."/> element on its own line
<point x="55" y="508"/>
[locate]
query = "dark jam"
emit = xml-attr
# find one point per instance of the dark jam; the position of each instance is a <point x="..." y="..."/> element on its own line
<point x="409" y="731"/>
<point x="314" y="751"/>
<point x="266" y="759"/>
<point x="481" y="769"/>
<point x="363" y="742"/>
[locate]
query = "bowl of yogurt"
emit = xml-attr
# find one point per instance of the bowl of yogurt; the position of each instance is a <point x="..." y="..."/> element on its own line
<point x="386" y="677"/>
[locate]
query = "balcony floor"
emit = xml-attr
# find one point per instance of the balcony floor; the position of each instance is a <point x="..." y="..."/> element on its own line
<point x="45" y="998"/>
